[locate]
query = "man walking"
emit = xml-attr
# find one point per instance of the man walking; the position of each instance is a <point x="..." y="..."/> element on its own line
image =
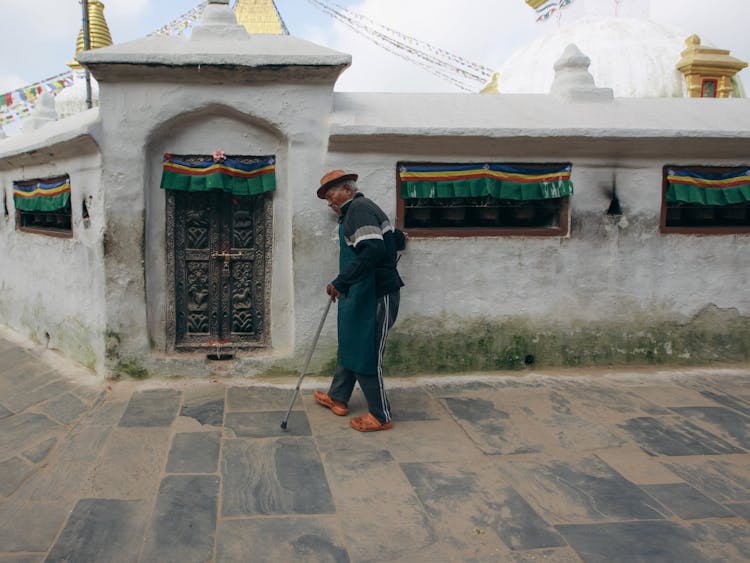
<point x="367" y="288"/>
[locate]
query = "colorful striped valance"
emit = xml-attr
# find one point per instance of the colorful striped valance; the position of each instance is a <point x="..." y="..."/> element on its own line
<point x="685" y="186"/>
<point x="42" y="195"/>
<point x="228" y="175"/>
<point x="501" y="181"/>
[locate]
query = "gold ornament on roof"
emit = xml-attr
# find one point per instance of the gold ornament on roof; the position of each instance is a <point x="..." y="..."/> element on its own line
<point x="99" y="35"/>
<point x="493" y="86"/>
<point x="708" y="71"/>
<point x="259" y="17"/>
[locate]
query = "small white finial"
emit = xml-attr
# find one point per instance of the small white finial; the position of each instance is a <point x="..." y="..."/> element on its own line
<point x="573" y="79"/>
<point x="43" y="112"/>
<point x="218" y="22"/>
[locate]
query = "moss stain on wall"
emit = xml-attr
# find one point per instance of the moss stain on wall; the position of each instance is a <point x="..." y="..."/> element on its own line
<point x="75" y="340"/>
<point x="443" y="345"/>
<point x="131" y="367"/>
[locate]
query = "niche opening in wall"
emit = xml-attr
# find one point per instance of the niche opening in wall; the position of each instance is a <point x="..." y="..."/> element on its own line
<point x="614" y="208"/>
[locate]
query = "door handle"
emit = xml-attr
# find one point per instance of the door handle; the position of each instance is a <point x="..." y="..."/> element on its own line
<point x="227" y="256"/>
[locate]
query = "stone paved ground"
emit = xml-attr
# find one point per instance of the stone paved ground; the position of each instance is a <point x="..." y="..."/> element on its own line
<point x="613" y="467"/>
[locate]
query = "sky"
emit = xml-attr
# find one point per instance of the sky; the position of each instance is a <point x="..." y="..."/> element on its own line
<point x="37" y="37"/>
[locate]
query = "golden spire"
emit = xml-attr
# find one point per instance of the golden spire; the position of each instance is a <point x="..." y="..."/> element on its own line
<point x="259" y="16"/>
<point x="100" y="36"/>
<point x="535" y="3"/>
<point x="493" y="86"/>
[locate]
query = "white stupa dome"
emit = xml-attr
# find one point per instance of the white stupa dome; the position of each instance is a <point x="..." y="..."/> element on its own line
<point x="635" y="57"/>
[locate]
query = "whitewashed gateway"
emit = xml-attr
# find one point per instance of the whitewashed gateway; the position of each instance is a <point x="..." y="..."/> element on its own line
<point x="177" y="223"/>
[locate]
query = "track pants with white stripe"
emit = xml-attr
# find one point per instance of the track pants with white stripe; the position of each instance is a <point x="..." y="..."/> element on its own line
<point x="372" y="386"/>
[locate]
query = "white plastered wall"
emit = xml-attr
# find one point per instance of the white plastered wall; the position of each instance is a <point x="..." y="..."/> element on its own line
<point x="51" y="288"/>
<point x="288" y="120"/>
<point x="609" y="269"/>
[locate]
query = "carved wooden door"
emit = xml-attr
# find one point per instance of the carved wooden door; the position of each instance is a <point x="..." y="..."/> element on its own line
<point x="220" y="243"/>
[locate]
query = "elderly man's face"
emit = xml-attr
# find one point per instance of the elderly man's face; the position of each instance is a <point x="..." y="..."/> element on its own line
<point x="336" y="197"/>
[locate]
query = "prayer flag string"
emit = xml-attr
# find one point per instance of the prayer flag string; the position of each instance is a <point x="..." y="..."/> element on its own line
<point x="459" y="70"/>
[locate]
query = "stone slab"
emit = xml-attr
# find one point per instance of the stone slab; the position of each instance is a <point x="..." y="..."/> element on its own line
<point x="283" y="476"/>
<point x="445" y="390"/>
<point x="491" y="428"/>
<point x="130" y="464"/>
<point x="267" y="424"/>
<point x="579" y="490"/>
<point x="5" y="413"/>
<point x="18" y="402"/>
<point x="13" y="472"/>
<point x="204" y="404"/>
<point x="280" y="539"/>
<point x="89" y="394"/>
<point x="520" y="421"/>
<point x="27" y="526"/>
<point x="210" y="413"/>
<point x="25" y="558"/>
<point x="605" y="402"/>
<point x="675" y="436"/>
<point x="476" y="498"/>
<point x="687" y="502"/>
<point x="729" y="425"/>
<point x="669" y="395"/>
<point x="101" y="531"/>
<point x="21" y="430"/>
<point x="560" y="555"/>
<point x="64" y="409"/>
<point x="382" y="517"/>
<point x="60" y="481"/>
<point x="88" y="437"/>
<point x="741" y="509"/>
<point x="725" y="479"/>
<point x="260" y="399"/>
<point x="626" y="542"/>
<point x="184" y="522"/>
<point x="40" y="451"/>
<point x="733" y="402"/>
<point x="19" y="366"/>
<point x="722" y="540"/>
<point x="637" y="466"/>
<point x="194" y="452"/>
<point x="407" y="441"/>
<point x="411" y="405"/>
<point x="154" y="407"/>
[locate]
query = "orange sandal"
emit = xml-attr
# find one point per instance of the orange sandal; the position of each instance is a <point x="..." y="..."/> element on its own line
<point x="337" y="407"/>
<point x="368" y="423"/>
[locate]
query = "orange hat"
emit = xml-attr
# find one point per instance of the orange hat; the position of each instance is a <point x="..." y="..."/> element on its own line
<point x="331" y="178"/>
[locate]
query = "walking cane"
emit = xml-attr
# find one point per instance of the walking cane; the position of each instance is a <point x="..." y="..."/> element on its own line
<point x="307" y="363"/>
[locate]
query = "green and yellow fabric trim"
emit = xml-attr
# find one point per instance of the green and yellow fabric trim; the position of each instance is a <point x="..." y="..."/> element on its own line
<point x="686" y="186"/>
<point x="228" y="175"/>
<point x="501" y="181"/>
<point x="42" y="195"/>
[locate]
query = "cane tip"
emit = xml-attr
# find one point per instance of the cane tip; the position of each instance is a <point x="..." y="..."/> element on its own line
<point x="283" y="425"/>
